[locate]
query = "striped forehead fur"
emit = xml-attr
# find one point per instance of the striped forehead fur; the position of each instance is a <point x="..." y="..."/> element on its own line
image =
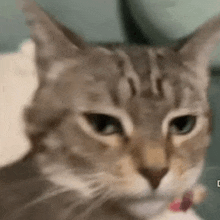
<point x="155" y="74"/>
<point x="129" y="83"/>
<point x="169" y="77"/>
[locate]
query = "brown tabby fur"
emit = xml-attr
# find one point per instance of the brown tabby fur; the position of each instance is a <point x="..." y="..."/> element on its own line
<point x="108" y="177"/>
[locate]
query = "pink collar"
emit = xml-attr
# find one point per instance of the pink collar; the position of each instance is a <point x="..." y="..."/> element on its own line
<point x="179" y="205"/>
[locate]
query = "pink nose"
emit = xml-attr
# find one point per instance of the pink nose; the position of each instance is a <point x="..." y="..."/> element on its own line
<point x="154" y="176"/>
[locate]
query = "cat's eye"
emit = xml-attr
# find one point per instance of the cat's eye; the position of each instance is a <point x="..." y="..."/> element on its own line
<point x="182" y="125"/>
<point x="104" y="124"/>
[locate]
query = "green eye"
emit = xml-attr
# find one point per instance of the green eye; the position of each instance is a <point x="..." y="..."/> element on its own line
<point x="104" y="124"/>
<point x="183" y="124"/>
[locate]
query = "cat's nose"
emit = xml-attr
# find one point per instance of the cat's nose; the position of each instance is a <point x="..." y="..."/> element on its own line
<point x="154" y="176"/>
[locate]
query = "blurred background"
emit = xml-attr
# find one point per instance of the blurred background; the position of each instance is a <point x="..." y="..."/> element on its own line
<point x="152" y="22"/>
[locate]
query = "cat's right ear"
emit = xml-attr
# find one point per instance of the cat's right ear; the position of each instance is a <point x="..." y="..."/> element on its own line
<point x="195" y="50"/>
<point x="53" y="40"/>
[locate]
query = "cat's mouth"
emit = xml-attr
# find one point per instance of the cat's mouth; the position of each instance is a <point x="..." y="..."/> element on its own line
<point x="175" y="205"/>
<point x="151" y="207"/>
<point x="148" y="198"/>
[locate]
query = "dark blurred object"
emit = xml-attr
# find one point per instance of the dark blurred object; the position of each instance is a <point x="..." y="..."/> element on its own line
<point x="132" y="31"/>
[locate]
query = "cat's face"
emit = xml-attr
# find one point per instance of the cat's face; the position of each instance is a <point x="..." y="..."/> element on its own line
<point x="105" y="125"/>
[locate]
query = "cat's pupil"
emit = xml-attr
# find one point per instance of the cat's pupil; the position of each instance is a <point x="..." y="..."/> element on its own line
<point x="104" y="124"/>
<point x="183" y="124"/>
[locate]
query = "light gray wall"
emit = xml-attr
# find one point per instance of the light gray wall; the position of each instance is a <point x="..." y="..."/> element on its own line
<point x="164" y="21"/>
<point x="96" y="20"/>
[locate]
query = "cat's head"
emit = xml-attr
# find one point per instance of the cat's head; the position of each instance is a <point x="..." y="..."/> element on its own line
<point x="134" y="121"/>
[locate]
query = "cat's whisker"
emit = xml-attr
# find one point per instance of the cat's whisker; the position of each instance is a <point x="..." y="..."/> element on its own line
<point x="99" y="173"/>
<point x="40" y="199"/>
<point x="70" y="209"/>
<point x="82" y="176"/>
<point x="47" y="196"/>
<point x="91" y="176"/>
<point x="95" y="204"/>
<point x="91" y="181"/>
<point x="73" y="206"/>
<point x="98" y="190"/>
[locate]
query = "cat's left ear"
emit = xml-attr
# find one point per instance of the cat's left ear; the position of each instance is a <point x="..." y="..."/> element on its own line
<point x="195" y="50"/>
<point x="53" y="40"/>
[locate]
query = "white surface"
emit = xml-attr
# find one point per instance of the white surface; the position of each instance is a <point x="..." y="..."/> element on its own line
<point x="17" y="83"/>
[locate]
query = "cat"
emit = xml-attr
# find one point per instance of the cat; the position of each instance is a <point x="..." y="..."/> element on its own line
<point x="116" y="131"/>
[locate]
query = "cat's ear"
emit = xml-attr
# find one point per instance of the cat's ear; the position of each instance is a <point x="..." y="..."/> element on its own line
<point x="196" y="49"/>
<point x="53" y="40"/>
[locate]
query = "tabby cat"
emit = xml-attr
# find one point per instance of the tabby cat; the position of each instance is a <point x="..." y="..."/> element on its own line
<point x="117" y="132"/>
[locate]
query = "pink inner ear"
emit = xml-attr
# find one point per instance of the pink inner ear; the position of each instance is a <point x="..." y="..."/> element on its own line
<point x="179" y="205"/>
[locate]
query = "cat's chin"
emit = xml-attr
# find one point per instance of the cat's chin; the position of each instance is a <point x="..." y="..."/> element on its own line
<point x="147" y="206"/>
<point x="146" y="209"/>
